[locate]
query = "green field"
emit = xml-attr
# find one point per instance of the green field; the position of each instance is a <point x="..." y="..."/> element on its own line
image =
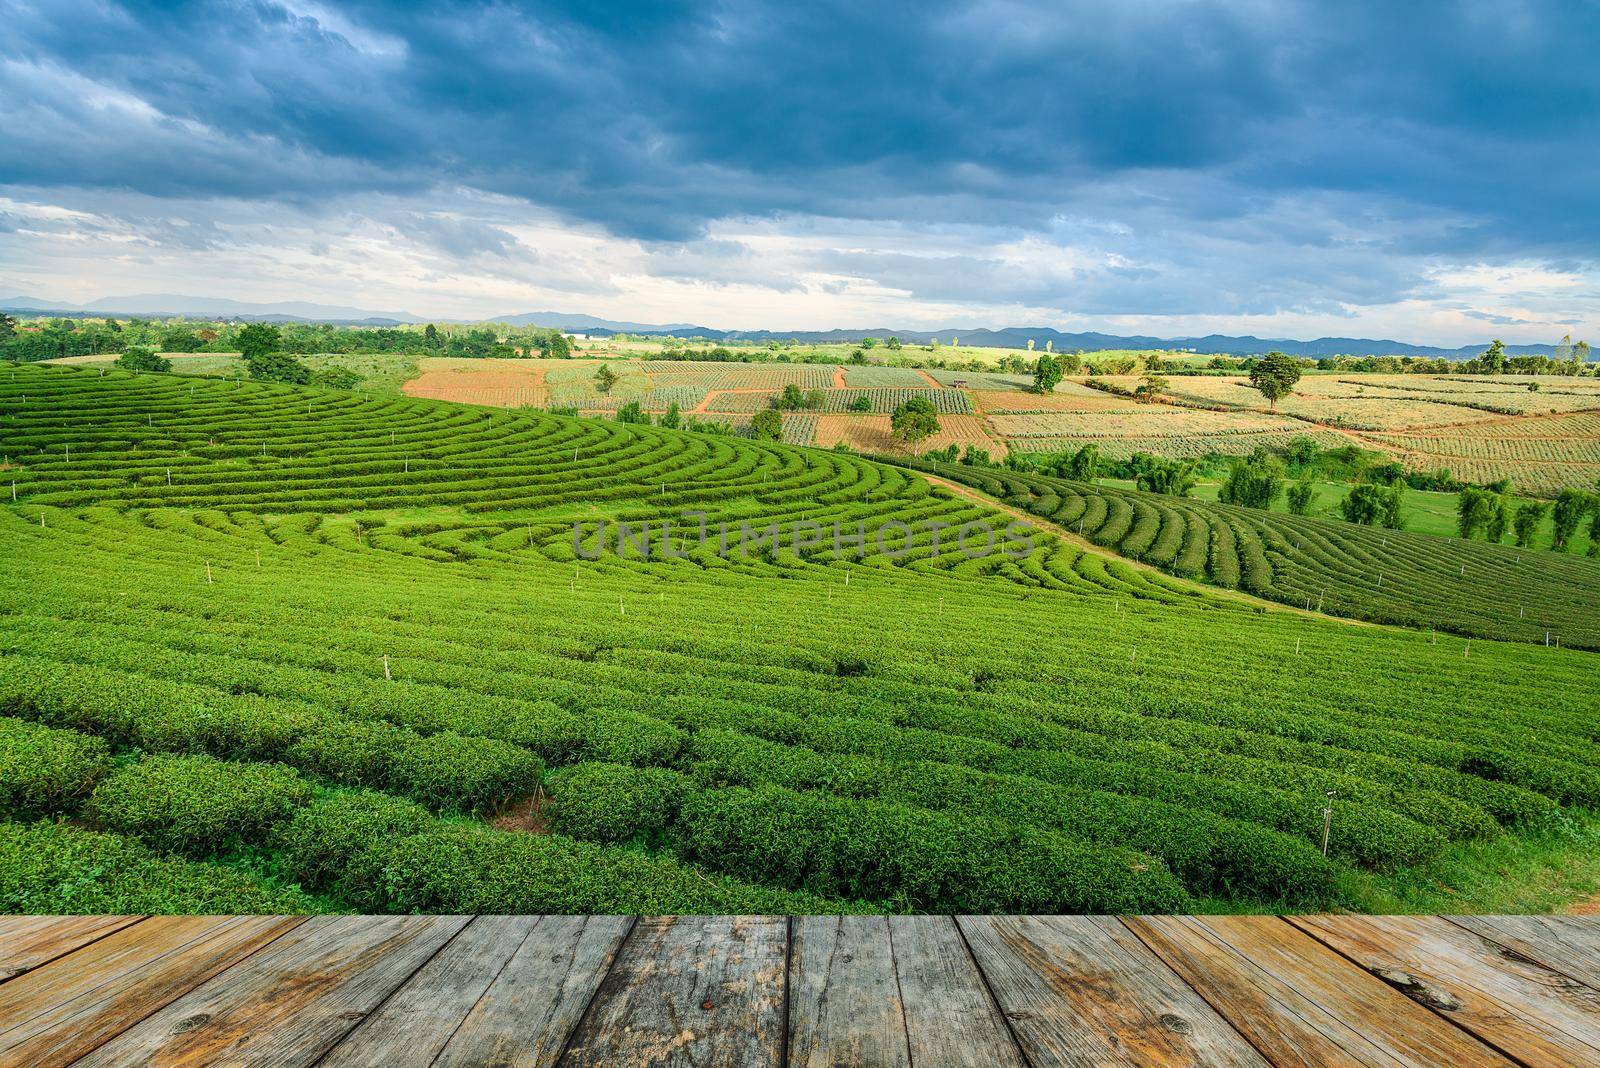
<point x="1385" y="576"/>
<point x="269" y="648"/>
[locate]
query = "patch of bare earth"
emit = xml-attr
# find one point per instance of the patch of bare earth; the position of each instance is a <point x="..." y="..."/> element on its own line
<point x="526" y="815"/>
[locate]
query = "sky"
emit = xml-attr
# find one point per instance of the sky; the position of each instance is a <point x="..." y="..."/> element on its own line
<point x="1426" y="171"/>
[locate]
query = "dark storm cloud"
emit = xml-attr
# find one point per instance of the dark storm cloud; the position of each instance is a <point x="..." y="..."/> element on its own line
<point x="1481" y="120"/>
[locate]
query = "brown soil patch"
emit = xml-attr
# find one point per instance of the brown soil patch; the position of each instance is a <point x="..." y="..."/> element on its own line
<point x="526" y="816"/>
<point x="871" y="433"/>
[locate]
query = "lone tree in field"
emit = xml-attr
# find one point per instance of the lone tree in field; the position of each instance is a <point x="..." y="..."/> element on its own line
<point x="1151" y="388"/>
<point x="914" y="420"/>
<point x="1569" y="510"/>
<point x="1275" y="375"/>
<point x="1300" y="495"/>
<point x="258" y="339"/>
<point x="1474" y="511"/>
<point x="142" y="359"/>
<point x="1046" y="373"/>
<point x="1526" y="524"/>
<point x="605" y="378"/>
<point x="278" y="367"/>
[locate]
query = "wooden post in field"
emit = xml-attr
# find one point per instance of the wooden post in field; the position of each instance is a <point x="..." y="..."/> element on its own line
<point x="1466" y="649"/>
<point x="391" y="437"/>
<point x="208" y="572"/>
<point x="1327" y="822"/>
<point x="622" y="609"/>
<point x="169" y="476"/>
<point x="258" y="559"/>
<point x="386" y="668"/>
<point x="1297" y="647"/>
<point x="13" y="491"/>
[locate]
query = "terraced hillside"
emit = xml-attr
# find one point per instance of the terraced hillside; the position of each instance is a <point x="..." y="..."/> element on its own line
<point x="1384" y="576"/>
<point x="286" y="649"/>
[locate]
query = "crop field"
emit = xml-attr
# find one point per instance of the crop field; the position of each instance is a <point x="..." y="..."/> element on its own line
<point x="1385" y="576"/>
<point x="280" y="649"/>
<point x="1023" y="402"/>
<point x="773" y="376"/>
<point x="886" y="376"/>
<point x="872" y="434"/>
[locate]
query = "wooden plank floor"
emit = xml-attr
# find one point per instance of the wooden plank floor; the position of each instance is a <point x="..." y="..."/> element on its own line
<point x="819" y="992"/>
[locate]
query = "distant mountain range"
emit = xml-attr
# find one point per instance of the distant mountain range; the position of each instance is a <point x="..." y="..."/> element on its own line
<point x="163" y="305"/>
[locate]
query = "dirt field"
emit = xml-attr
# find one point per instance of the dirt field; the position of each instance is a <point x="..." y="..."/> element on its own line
<point x="870" y="433"/>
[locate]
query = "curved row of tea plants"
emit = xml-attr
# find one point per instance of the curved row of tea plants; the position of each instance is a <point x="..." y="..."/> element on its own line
<point x="322" y="674"/>
<point x="1383" y="576"/>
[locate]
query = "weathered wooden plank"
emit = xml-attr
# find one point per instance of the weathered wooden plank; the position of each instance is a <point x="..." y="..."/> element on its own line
<point x="702" y="990"/>
<point x="1297" y="1001"/>
<point x="289" y="1003"/>
<point x="1569" y="944"/>
<point x="526" y="1016"/>
<point x="951" y="1021"/>
<point x="844" y="996"/>
<point x="1084" y="990"/>
<point x="414" y="1025"/>
<point x="29" y="941"/>
<point x="63" y="1010"/>
<point x="1537" y="1015"/>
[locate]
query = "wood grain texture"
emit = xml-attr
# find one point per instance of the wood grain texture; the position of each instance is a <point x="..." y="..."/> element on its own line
<point x="417" y="1021"/>
<point x="65" y="1009"/>
<point x="1084" y="990"/>
<point x="701" y="990"/>
<point x="951" y="1021"/>
<point x="29" y="941"/>
<point x="1300" y="1003"/>
<point x="526" y="1016"/>
<point x="844" y="996"/>
<point x="291" y="1002"/>
<point x="1569" y="944"/>
<point x="1541" y="1016"/>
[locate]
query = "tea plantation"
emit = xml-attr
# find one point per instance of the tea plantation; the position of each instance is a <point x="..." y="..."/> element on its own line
<point x="267" y="648"/>
<point x="1386" y="576"/>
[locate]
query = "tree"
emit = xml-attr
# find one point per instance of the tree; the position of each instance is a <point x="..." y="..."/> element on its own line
<point x="1526" y="523"/>
<point x="278" y="367"/>
<point x="1500" y="518"/>
<point x="430" y="336"/>
<point x="1175" y="478"/>
<point x="1302" y="452"/>
<point x="673" y="418"/>
<point x="553" y="345"/>
<point x="1083" y="465"/>
<point x="869" y="342"/>
<point x="861" y="404"/>
<point x="815" y="400"/>
<point x="1274" y="375"/>
<point x="1372" y="505"/>
<point x="1474" y="509"/>
<point x="258" y="339"/>
<point x="791" y="399"/>
<point x="8" y="327"/>
<point x="181" y="339"/>
<point x="336" y="378"/>
<point x="914" y="420"/>
<point x="1494" y="358"/>
<point x="605" y="378"/>
<point x="1151" y="388"/>
<point x="139" y="358"/>
<point x="1046" y="373"/>
<point x="1299" y="497"/>
<point x="633" y="412"/>
<point x="1254" y="483"/>
<point x="1569" y="510"/>
<point x="767" y="425"/>
<point x="893" y="343"/>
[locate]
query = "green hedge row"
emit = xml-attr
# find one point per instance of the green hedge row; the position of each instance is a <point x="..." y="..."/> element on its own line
<point x="908" y="858"/>
<point x="197" y="805"/>
<point x="44" y="770"/>
<point x="54" y="868"/>
<point x="380" y="854"/>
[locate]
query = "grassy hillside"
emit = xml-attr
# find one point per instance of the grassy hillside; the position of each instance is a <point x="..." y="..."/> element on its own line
<point x="298" y="649"/>
<point x="1385" y="576"/>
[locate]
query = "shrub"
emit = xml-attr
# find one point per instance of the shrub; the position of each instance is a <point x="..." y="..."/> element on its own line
<point x="54" y="868"/>
<point x="323" y="839"/>
<point x="445" y="771"/>
<point x="45" y="770"/>
<point x="613" y="803"/>
<point x="196" y="804"/>
<point x="462" y="868"/>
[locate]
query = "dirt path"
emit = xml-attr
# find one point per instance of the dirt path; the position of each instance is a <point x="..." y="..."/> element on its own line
<point x="1085" y="544"/>
<point x="838" y="378"/>
<point x="932" y="381"/>
<point x="702" y="409"/>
